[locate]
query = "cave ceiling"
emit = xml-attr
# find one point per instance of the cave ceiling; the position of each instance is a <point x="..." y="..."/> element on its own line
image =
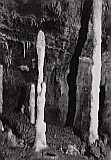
<point x="21" y="19"/>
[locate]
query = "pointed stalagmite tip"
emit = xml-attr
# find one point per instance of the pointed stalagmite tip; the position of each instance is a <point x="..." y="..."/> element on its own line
<point x="40" y="39"/>
<point x="41" y="34"/>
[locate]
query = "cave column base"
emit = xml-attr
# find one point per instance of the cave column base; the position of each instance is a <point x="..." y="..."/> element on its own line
<point x="40" y="141"/>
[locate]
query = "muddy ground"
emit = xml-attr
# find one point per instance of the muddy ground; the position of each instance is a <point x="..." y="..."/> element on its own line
<point x="62" y="143"/>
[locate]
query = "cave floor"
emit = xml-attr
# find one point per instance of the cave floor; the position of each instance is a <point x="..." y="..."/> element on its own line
<point x="62" y="145"/>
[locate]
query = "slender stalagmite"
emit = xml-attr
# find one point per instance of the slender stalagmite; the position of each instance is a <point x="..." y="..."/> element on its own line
<point x="40" y="141"/>
<point x="32" y="104"/>
<point x="24" y="48"/>
<point x="96" y="70"/>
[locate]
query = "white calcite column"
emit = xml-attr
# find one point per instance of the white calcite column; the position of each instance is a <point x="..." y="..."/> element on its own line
<point x="40" y="141"/>
<point x="96" y="70"/>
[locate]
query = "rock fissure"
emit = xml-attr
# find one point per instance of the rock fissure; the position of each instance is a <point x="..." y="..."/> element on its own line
<point x="75" y="62"/>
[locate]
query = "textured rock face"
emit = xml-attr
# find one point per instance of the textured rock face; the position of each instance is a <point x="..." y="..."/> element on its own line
<point x="106" y="79"/>
<point x="19" y="25"/>
<point x="60" y="47"/>
<point x="84" y="80"/>
<point x="61" y="22"/>
<point x="83" y="95"/>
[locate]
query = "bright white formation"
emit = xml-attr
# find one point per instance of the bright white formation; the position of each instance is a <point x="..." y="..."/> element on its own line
<point x="40" y="141"/>
<point x="96" y="70"/>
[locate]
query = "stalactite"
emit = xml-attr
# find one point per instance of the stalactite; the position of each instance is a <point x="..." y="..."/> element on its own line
<point x="96" y="71"/>
<point x="7" y="46"/>
<point x="40" y="141"/>
<point x="32" y="104"/>
<point x="10" y="57"/>
<point x="29" y="44"/>
<point x="36" y="25"/>
<point x="24" y="48"/>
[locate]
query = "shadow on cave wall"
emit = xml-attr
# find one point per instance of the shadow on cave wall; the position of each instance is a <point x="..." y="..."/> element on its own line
<point x="102" y="105"/>
<point x="75" y="62"/>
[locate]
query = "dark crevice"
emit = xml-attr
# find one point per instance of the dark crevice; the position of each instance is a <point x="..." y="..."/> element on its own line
<point x="21" y="99"/>
<point x="87" y="8"/>
<point x="101" y="105"/>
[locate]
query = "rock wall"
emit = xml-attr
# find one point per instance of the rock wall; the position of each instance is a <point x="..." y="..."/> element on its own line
<point x="83" y="95"/>
<point x="61" y="22"/>
<point x="82" y="117"/>
<point x="19" y="25"/>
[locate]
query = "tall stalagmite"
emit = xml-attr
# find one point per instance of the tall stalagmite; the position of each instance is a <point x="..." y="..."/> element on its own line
<point x="96" y="70"/>
<point x="40" y="141"/>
